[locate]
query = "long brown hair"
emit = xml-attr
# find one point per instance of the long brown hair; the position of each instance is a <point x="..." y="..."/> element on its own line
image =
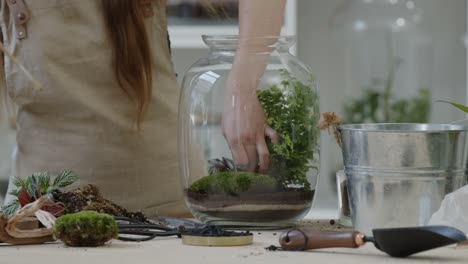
<point x="125" y="23"/>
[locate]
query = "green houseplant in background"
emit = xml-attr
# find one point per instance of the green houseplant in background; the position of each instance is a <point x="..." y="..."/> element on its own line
<point x="379" y="105"/>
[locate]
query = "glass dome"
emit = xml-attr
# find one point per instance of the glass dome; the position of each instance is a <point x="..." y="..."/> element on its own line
<point x="216" y="189"/>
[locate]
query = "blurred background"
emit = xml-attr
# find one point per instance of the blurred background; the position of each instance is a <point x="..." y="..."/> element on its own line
<point x="375" y="60"/>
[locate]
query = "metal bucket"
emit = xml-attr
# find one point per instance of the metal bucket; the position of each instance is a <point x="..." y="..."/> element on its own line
<point x="398" y="174"/>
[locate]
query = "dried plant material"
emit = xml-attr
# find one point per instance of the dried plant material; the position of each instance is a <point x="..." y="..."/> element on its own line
<point x="45" y="218"/>
<point x="12" y="57"/>
<point x="6" y="238"/>
<point x="26" y="211"/>
<point x="12" y="234"/>
<point x="330" y="122"/>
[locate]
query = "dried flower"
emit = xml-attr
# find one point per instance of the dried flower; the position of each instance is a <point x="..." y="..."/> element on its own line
<point x="330" y="122"/>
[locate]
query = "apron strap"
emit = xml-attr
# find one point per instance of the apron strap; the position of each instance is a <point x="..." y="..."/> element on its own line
<point x="21" y="15"/>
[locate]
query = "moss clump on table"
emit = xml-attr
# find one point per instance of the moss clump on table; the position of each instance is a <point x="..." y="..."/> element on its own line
<point x="86" y="229"/>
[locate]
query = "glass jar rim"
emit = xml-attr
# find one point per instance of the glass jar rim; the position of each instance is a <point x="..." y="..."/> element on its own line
<point x="229" y="42"/>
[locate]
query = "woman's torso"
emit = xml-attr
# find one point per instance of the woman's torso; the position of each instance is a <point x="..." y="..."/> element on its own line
<point x="82" y="120"/>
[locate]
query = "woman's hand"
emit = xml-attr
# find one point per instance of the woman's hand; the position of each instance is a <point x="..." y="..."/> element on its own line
<point x="244" y="123"/>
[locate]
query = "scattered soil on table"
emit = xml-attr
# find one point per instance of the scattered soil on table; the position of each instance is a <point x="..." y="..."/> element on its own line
<point x="88" y="198"/>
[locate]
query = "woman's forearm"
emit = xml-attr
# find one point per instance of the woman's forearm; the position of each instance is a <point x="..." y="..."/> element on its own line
<point x="260" y="22"/>
<point x="257" y="19"/>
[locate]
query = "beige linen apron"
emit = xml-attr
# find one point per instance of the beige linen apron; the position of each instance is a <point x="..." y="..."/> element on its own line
<point x="82" y="120"/>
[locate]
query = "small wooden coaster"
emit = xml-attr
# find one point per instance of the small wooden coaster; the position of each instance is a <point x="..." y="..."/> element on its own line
<point x="217" y="241"/>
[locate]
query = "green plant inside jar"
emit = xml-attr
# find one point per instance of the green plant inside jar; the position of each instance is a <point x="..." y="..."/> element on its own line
<point x="292" y="111"/>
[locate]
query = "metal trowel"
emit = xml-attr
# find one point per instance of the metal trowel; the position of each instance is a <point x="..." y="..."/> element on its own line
<point x="396" y="242"/>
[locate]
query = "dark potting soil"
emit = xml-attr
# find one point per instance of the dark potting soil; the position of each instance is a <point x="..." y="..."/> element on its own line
<point x="89" y="198"/>
<point x="293" y="197"/>
<point x="261" y="216"/>
<point x="288" y="205"/>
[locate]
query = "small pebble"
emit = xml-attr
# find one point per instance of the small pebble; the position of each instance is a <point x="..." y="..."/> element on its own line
<point x="274" y="234"/>
<point x="332" y="222"/>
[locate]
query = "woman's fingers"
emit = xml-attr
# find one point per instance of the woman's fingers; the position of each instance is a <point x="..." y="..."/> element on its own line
<point x="256" y="157"/>
<point x="263" y="154"/>
<point x="245" y="157"/>
<point x="253" y="157"/>
<point x="240" y="155"/>
<point x="271" y="133"/>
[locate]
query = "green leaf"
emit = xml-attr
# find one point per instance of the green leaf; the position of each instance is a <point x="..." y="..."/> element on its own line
<point x="34" y="179"/>
<point x="43" y="181"/>
<point x="459" y="106"/>
<point x="31" y="188"/>
<point x="18" y="182"/>
<point x="65" y="178"/>
<point x="9" y="209"/>
<point x="16" y="192"/>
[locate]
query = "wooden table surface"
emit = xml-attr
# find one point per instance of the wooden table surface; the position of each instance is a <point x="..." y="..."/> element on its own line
<point x="171" y="250"/>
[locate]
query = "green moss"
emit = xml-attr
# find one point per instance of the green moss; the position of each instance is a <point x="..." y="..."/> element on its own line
<point x="85" y="229"/>
<point x="234" y="183"/>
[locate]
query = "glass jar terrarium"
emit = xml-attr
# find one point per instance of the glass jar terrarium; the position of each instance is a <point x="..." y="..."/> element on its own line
<point x="216" y="189"/>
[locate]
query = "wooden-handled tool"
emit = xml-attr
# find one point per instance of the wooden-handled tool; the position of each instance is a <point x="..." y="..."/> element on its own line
<point x="297" y="239"/>
<point x="397" y="242"/>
